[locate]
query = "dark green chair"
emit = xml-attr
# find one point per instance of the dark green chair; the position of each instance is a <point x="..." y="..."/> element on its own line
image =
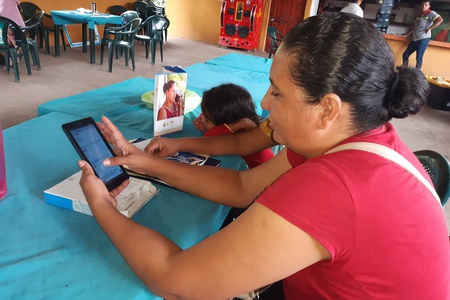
<point x="438" y="168"/>
<point x="28" y="11"/>
<point x="48" y="27"/>
<point x="116" y="9"/>
<point x="11" y="51"/>
<point x="30" y="28"/>
<point x="123" y="39"/>
<point x="275" y="39"/>
<point x="155" y="26"/>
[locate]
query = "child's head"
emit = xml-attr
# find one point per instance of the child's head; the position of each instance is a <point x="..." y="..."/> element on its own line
<point x="228" y="103"/>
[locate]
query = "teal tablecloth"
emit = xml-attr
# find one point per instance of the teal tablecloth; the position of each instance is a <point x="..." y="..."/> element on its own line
<point x="47" y="252"/>
<point x="66" y="17"/>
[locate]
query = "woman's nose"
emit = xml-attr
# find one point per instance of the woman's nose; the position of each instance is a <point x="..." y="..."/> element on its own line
<point x="265" y="102"/>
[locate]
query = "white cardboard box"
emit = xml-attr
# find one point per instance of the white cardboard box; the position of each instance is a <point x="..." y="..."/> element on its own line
<point x="68" y="194"/>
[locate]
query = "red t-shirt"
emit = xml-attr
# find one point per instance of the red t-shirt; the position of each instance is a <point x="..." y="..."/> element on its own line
<point x="252" y="160"/>
<point x="385" y="232"/>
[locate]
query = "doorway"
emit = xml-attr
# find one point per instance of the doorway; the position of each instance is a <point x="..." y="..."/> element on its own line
<point x="285" y="14"/>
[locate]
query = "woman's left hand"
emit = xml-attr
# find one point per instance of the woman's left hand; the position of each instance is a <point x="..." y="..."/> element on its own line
<point x="95" y="190"/>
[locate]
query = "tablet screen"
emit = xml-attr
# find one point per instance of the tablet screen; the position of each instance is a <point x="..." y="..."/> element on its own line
<point x="96" y="152"/>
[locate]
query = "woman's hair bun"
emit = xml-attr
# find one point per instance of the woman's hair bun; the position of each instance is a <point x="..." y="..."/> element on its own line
<point x="408" y="92"/>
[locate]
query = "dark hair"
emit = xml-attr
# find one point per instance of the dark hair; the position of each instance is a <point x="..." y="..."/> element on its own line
<point x="228" y="103"/>
<point x="346" y="55"/>
<point x="168" y="85"/>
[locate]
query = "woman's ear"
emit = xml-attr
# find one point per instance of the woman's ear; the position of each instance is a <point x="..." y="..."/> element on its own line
<point x="330" y="107"/>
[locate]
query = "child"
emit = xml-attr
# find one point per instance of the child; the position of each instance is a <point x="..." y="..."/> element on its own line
<point x="229" y="108"/>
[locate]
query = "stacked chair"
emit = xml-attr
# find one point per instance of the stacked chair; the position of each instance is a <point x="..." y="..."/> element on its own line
<point x="143" y="10"/>
<point x="151" y="10"/>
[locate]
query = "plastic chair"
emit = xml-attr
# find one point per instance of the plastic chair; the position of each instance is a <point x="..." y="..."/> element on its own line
<point x="159" y="11"/>
<point x="155" y="26"/>
<point x="126" y="16"/>
<point x="275" y="39"/>
<point x="49" y="27"/>
<point x="144" y="12"/>
<point x="28" y="11"/>
<point x="123" y="39"/>
<point x="142" y="8"/>
<point x="30" y="28"/>
<point x="11" y="50"/>
<point x="116" y="10"/>
<point x="438" y="168"/>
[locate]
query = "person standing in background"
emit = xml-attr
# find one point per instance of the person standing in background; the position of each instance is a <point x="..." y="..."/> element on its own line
<point x="421" y="33"/>
<point x="354" y="7"/>
<point x="9" y="9"/>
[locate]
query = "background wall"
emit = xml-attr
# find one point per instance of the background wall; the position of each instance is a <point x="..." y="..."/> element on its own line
<point x="195" y="19"/>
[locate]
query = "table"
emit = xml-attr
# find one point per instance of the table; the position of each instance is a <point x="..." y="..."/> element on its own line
<point x="47" y="252"/>
<point x="66" y="17"/>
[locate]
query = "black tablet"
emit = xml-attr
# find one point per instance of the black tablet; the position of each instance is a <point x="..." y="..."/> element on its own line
<point x="90" y="144"/>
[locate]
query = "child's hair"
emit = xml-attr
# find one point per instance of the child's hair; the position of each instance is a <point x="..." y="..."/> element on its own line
<point x="228" y="103"/>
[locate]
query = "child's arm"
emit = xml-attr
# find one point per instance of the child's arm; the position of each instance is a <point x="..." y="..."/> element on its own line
<point x="241" y="125"/>
<point x="242" y="143"/>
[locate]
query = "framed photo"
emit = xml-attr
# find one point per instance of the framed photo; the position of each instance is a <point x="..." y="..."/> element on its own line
<point x="169" y="100"/>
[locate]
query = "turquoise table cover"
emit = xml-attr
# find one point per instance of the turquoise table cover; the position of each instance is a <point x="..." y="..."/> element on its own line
<point x="66" y="17"/>
<point x="244" y="62"/>
<point x="47" y="252"/>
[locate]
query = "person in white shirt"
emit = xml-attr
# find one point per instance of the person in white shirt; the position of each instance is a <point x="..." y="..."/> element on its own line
<point x="354" y="8"/>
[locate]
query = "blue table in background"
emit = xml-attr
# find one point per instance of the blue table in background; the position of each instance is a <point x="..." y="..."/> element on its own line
<point x="66" y="17"/>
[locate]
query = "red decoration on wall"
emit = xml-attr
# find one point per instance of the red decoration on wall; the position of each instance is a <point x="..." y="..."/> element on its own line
<point x="240" y="23"/>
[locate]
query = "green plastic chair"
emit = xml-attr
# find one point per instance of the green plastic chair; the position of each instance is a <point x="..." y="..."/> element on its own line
<point x="30" y="29"/>
<point x="155" y="26"/>
<point x="438" y="168"/>
<point x="123" y="39"/>
<point x="275" y="39"/>
<point x="11" y="51"/>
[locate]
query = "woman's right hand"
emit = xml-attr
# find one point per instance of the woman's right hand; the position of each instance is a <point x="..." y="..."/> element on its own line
<point x="121" y="145"/>
<point x="162" y="147"/>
